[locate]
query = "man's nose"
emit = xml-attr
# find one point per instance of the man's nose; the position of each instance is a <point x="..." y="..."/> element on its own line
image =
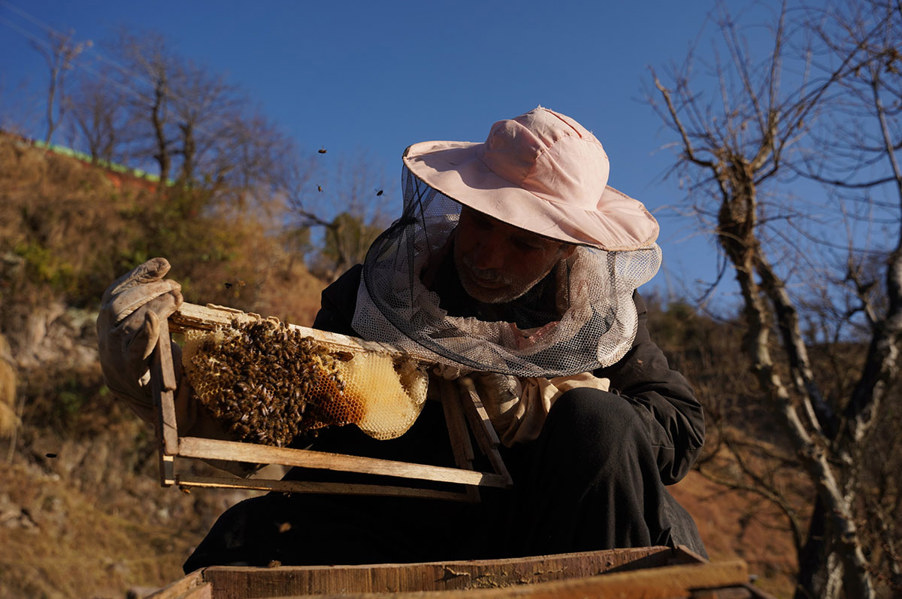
<point x="490" y="252"/>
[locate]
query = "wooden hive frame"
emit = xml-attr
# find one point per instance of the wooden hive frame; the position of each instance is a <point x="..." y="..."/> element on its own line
<point x="464" y="414"/>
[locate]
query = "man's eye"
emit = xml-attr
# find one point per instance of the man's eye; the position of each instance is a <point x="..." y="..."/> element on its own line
<point x="527" y="246"/>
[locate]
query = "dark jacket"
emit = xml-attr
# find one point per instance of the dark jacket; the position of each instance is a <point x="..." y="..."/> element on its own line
<point x="662" y="397"/>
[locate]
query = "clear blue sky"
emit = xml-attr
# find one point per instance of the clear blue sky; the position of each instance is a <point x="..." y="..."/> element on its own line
<point x="375" y="76"/>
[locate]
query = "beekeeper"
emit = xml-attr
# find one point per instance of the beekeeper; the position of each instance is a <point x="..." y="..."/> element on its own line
<point x="513" y="263"/>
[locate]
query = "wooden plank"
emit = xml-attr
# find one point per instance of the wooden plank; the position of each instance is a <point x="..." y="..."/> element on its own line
<point x="667" y="582"/>
<point x="457" y="426"/>
<point x="296" y="486"/>
<point x="192" y="586"/>
<point x="197" y="447"/>
<point x="167" y="470"/>
<point x="158" y="427"/>
<point x="193" y="316"/>
<point x="231" y="582"/>
<point x="163" y="384"/>
<point x="164" y="357"/>
<point x="168" y="385"/>
<point x="482" y="428"/>
<point x="458" y="434"/>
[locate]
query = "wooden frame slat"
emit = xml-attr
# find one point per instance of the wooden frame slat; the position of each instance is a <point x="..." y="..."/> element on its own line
<point x="299" y="486"/>
<point x="197" y="447"/>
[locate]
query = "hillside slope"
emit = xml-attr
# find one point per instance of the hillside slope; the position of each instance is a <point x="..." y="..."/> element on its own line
<point x="81" y="511"/>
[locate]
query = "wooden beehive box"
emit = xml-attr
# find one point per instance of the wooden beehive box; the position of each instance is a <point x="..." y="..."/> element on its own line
<point x="464" y="413"/>
<point x="639" y="573"/>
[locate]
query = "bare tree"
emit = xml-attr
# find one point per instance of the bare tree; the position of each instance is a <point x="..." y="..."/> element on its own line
<point x="739" y="142"/>
<point x="96" y="110"/>
<point x="146" y="70"/>
<point x="347" y="204"/>
<point x="864" y="170"/>
<point x="204" y="135"/>
<point x="199" y="129"/>
<point x="204" y="105"/>
<point x="59" y="51"/>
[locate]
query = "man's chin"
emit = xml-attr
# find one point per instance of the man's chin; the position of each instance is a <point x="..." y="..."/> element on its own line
<point x="489" y="295"/>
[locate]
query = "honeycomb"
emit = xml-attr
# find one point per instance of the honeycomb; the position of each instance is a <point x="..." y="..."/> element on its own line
<point x="269" y="383"/>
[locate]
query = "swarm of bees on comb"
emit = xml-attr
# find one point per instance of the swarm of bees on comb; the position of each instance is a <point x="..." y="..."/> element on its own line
<point x="269" y="383"/>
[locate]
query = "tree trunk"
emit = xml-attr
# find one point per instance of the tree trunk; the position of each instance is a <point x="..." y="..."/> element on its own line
<point x="162" y="156"/>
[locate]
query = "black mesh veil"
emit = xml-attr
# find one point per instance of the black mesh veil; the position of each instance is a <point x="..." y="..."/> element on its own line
<point x="394" y="306"/>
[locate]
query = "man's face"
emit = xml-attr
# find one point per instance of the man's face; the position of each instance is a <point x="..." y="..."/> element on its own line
<point x="497" y="262"/>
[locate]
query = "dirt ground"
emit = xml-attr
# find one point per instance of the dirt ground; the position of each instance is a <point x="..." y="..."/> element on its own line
<point x="734" y="524"/>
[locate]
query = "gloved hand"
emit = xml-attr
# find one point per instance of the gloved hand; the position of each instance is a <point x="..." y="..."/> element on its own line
<point x="502" y="396"/>
<point x="128" y="328"/>
<point x="499" y="393"/>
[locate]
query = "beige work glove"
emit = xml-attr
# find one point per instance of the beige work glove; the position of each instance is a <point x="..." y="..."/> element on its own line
<point x="128" y="327"/>
<point x="518" y="407"/>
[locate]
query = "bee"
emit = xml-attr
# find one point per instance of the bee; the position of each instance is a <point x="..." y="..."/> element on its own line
<point x="268" y="383"/>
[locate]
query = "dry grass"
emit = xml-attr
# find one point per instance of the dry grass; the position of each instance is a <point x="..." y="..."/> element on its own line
<point x="9" y="421"/>
<point x="62" y="542"/>
<point x="67" y="231"/>
<point x="82" y="513"/>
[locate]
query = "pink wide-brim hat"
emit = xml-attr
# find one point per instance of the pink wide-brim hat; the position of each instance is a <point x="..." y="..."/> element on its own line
<point x="542" y="172"/>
